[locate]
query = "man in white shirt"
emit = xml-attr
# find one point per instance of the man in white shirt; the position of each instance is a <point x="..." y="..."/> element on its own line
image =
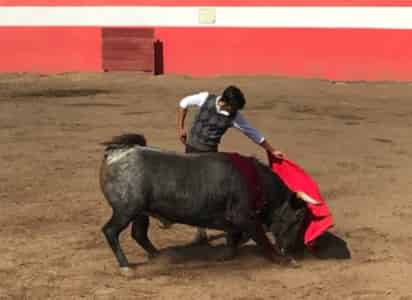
<point x="215" y="116"/>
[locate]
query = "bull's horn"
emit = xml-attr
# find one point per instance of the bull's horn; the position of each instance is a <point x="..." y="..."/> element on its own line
<point x="305" y="197"/>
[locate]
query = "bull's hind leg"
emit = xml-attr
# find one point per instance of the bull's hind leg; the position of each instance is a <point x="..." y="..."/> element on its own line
<point x="112" y="230"/>
<point x="140" y="227"/>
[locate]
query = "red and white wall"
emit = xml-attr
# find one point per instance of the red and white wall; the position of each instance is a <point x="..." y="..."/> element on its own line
<point x="335" y="39"/>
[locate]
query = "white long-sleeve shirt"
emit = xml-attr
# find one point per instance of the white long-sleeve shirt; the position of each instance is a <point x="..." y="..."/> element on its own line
<point x="239" y="122"/>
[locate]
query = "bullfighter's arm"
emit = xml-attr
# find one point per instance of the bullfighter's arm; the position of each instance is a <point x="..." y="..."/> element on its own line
<point x="244" y="126"/>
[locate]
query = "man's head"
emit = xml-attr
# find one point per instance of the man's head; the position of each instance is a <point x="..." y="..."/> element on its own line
<point x="232" y="99"/>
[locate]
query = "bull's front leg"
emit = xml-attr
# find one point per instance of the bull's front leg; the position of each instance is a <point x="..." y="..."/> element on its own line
<point x="233" y="240"/>
<point x="271" y="251"/>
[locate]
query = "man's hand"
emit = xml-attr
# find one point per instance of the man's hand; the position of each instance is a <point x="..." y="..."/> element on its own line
<point x="183" y="137"/>
<point x="278" y="154"/>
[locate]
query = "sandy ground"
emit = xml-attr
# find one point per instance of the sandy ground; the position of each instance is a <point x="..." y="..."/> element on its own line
<point x="353" y="138"/>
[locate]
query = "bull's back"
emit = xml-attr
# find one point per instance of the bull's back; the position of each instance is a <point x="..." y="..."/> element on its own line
<point x="192" y="188"/>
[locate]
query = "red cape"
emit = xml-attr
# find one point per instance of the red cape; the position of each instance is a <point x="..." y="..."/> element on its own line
<point x="320" y="218"/>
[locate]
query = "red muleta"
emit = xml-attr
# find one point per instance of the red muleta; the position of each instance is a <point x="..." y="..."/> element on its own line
<point x="320" y="217"/>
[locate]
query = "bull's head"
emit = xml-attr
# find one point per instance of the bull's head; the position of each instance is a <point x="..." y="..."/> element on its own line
<point x="288" y="221"/>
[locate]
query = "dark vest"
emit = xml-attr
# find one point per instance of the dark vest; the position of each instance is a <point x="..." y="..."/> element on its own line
<point x="209" y="126"/>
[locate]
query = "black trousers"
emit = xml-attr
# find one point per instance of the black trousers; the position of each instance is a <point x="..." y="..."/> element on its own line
<point x="190" y="149"/>
<point x="201" y="235"/>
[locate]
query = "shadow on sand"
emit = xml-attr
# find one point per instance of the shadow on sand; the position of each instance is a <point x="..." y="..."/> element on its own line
<point x="328" y="246"/>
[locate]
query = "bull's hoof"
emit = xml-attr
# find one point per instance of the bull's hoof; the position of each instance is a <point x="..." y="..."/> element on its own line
<point x="287" y="261"/>
<point x="294" y="264"/>
<point x="153" y="255"/>
<point x="127" y="272"/>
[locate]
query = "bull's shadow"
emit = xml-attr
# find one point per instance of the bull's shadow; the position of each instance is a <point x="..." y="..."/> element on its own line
<point x="212" y="252"/>
<point x="328" y="246"/>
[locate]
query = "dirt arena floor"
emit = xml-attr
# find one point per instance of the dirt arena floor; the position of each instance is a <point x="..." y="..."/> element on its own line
<point x="355" y="139"/>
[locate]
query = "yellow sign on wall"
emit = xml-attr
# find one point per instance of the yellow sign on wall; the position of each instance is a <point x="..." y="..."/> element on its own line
<point x="207" y="15"/>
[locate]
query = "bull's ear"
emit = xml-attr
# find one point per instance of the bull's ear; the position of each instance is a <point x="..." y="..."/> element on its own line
<point x="306" y="198"/>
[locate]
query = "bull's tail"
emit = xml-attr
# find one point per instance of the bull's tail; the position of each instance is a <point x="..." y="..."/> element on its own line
<point x="116" y="149"/>
<point x="123" y="141"/>
<point x="120" y="145"/>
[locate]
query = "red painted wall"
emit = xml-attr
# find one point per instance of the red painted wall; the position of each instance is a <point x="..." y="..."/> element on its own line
<point x="50" y="49"/>
<point x="340" y="54"/>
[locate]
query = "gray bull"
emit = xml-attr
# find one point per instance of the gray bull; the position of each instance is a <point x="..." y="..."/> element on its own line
<point x="203" y="190"/>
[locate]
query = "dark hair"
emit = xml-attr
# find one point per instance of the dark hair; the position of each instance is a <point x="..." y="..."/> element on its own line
<point x="234" y="97"/>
